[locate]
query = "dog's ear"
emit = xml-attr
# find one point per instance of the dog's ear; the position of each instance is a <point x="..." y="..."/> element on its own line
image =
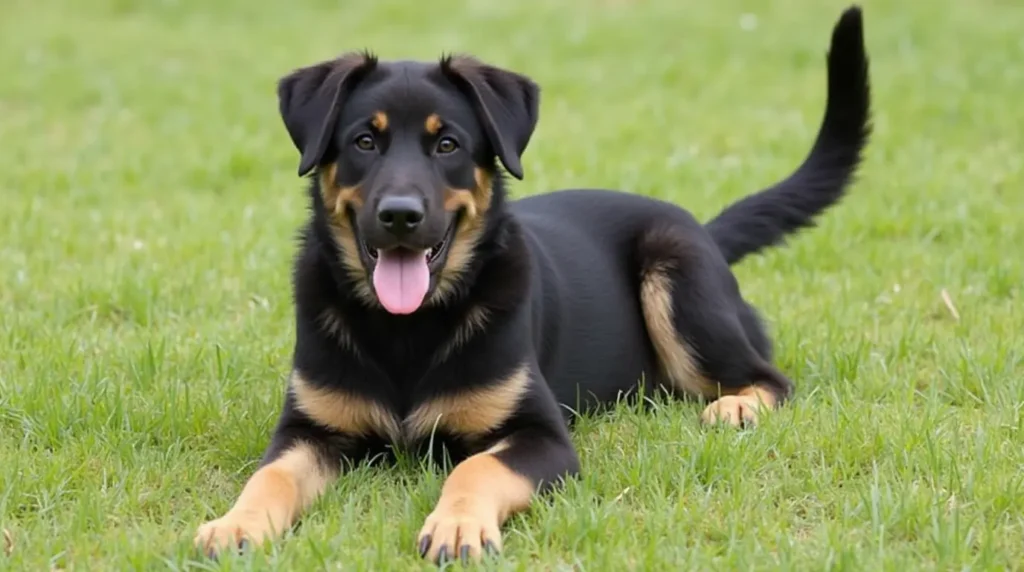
<point x="310" y="98"/>
<point x="506" y="102"/>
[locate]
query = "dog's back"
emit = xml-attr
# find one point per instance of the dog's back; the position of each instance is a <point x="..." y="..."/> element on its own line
<point x="592" y="248"/>
<point x="767" y="217"/>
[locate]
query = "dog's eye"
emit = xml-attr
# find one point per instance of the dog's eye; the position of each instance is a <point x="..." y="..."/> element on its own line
<point x="446" y="145"/>
<point x="365" y="143"/>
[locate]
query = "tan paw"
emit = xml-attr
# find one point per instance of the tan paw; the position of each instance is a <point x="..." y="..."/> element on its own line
<point x="733" y="410"/>
<point x="233" y="532"/>
<point x="464" y="528"/>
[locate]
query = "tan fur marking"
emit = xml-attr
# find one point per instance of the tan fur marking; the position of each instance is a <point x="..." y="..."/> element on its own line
<point x="470" y="413"/>
<point x="346" y="240"/>
<point x="734" y="406"/>
<point x="484" y="191"/>
<point x="433" y="124"/>
<point x="476" y="499"/>
<point x="739" y="407"/>
<point x="343" y="412"/>
<point x="498" y="447"/>
<point x="380" y="121"/>
<point x="350" y="258"/>
<point x="757" y="393"/>
<point x="271" y="501"/>
<point x="675" y="355"/>
<point x="475" y="201"/>
<point x="337" y="199"/>
<point x="456" y="199"/>
<point x="467" y="235"/>
<point x="346" y="196"/>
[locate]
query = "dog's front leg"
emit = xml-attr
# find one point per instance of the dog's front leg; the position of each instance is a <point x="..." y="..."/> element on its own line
<point x="485" y="489"/>
<point x="317" y="432"/>
<point x="270" y="502"/>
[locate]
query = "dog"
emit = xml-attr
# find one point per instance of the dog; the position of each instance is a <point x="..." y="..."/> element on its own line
<point x="434" y="313"/>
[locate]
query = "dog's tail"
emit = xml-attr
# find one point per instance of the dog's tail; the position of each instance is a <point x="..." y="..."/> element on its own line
<point x="765" y="218"/>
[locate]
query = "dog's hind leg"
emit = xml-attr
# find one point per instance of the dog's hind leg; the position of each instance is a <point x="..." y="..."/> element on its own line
<point x="708" y="341"/>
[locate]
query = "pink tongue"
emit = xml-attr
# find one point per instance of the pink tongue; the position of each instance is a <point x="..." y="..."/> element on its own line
<point x="401" y="279"/>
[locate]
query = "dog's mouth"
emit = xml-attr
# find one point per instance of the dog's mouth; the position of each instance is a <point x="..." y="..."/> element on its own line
<point x="402" y="274"/>
<point x="433" y="254"/>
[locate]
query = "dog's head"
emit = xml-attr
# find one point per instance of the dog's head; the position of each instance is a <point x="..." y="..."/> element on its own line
<point x="405" y="156"/>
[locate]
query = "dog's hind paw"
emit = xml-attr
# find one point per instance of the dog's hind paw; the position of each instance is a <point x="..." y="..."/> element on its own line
<point x="733" y="410"/>
<point x="230" y="533"/>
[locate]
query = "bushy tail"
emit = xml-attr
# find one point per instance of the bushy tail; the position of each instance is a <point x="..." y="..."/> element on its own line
<point x="765" y="218"/>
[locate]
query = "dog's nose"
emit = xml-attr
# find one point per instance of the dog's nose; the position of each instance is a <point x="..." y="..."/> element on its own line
<point x="400" y="215"/>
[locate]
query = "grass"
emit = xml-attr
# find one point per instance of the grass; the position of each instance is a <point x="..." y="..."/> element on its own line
<point x="148" y="214"/>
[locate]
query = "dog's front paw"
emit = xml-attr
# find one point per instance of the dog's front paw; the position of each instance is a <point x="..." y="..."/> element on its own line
<point x="233" y="531"/>
<point x="734" y="410"/>
<point x="464" y="528"/>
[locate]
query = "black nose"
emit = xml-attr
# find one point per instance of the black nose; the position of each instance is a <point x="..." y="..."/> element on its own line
<point x="400" y="215"/>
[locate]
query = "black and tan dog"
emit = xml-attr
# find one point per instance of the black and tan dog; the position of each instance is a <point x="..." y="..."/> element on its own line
<point x="430" y="308"/>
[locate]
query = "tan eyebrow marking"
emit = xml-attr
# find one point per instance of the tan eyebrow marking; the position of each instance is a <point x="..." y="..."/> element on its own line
<point x="433" y="124"/>
<point x="380" y="121"/>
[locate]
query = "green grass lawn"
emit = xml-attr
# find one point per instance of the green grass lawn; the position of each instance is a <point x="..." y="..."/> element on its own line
<point x="148" y="218"/>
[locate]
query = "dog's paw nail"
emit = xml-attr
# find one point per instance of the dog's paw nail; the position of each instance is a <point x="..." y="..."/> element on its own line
<point x="243" y="545"/>
<point x="424" y="545"/>
<point x="442" y="554"/>
<point x="490" y="548"/>
<point x="464" y="554"/>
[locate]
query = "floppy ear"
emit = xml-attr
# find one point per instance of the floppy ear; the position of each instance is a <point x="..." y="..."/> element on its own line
<point x="506" y="102"/>
<point x="310" y="98"/>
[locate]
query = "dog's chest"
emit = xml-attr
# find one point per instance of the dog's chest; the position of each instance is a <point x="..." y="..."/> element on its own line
<point x="466" y="415"/>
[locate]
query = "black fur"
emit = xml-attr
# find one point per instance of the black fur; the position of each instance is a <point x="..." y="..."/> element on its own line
<point x="559" y="277"/>
<point x="508" y="104"/>
<point x="309" y="102"/>
<point x="764" y="219"/>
